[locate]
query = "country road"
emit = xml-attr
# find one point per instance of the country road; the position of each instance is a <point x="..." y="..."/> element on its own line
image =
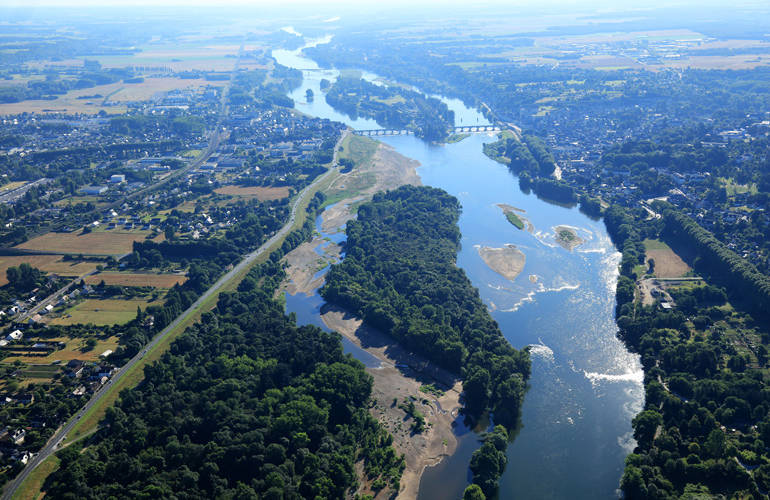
<point x="61" y="434"/>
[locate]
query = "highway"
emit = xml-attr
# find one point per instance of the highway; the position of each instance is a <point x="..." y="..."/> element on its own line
<point x="249" y="259"/>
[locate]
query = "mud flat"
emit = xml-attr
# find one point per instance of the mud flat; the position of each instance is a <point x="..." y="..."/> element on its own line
<point x="567" y="237"/>
<point x="507" y="261"/>
<point x="400" y="377"/>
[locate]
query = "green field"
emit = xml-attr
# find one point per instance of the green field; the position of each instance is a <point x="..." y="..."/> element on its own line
<point x="102" y="312"/>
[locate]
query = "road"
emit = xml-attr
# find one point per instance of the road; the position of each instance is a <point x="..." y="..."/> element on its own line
<point x="61" y="434"/>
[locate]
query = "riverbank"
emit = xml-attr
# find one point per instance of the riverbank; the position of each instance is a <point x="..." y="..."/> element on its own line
<point x="398" y="379"/>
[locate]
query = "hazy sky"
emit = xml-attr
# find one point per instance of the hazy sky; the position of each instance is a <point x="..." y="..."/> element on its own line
<point x="587" y="5"/>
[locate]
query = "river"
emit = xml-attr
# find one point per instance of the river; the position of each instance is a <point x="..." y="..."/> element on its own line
<point x="585" y="386"/>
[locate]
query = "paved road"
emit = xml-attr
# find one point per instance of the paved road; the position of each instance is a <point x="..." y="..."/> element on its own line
<point x="61" y="434"/>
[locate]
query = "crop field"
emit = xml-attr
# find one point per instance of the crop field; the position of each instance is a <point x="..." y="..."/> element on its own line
<point x="259" y="192"/>
<point x="49" y="263"/>
<point x="102" y="312"/>
<point x="94" y="243"/>
<point x="137" y="279"/>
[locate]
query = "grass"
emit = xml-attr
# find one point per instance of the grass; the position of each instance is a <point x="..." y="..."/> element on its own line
<point x="514" y="219"/>
<point x="31" y="488"/>
<point x="734" y="188"/>
<point x="357" y="148"/>
<point x="655" y="245"/>
<point x="102" y="312"/>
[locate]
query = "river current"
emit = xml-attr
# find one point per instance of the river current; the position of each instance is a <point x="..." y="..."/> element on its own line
<point x="585" y="386"/>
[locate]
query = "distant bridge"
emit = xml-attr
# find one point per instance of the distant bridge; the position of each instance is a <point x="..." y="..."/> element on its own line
<point x="461" y="129"/>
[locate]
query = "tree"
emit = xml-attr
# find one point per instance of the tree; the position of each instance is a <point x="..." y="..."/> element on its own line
<point x="473" y="492"/>
<point x="645" y="425"/>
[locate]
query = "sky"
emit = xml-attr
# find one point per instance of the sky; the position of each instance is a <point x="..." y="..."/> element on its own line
<point x="586" y="5"/>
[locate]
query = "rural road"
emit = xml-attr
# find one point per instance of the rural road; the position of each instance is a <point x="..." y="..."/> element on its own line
<point x="59" y="436"/>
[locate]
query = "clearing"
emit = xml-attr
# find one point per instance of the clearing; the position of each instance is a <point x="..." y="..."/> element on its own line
<point x="667" y="263"/>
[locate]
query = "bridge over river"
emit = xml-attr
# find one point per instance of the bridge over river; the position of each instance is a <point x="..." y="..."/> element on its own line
<point x="461" y="129"/>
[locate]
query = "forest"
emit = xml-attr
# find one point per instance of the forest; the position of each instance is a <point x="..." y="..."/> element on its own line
<point x="245" y="404"/>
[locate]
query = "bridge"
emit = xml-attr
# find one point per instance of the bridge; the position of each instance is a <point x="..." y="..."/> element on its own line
<point x="461" y="129"/>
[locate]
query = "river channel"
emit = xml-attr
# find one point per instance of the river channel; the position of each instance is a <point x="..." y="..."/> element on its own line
<point x="585" y="386"/>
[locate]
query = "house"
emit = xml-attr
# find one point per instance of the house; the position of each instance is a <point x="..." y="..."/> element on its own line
<point x="17" y="436"/>
<point x="117" y="179"/>
<point x="14" y="335"/>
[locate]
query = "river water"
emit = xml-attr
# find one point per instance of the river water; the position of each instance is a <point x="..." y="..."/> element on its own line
<point x="585" y="386"/>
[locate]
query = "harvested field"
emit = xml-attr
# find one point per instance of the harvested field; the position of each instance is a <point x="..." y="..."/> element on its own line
<point x="259" y="192"/>
<point x="102" y="311"/>
<point x="48" y="263"/>
<point x="667" y="263"/>
<point x="95" y="243"/>
<point x="137" y="279"/>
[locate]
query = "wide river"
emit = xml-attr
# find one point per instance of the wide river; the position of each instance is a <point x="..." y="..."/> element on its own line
<point x="585" y="386"/>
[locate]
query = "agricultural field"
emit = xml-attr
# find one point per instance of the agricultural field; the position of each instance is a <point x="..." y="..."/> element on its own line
<point x="137" y="279"/>
<point x="102" y="312"/>
<point x="94" y="243"/>
<point x="80" y="101"/>
<point x="48" y="263"/>
<point x="667" y="263"/>
<point x="259" y="192"/>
